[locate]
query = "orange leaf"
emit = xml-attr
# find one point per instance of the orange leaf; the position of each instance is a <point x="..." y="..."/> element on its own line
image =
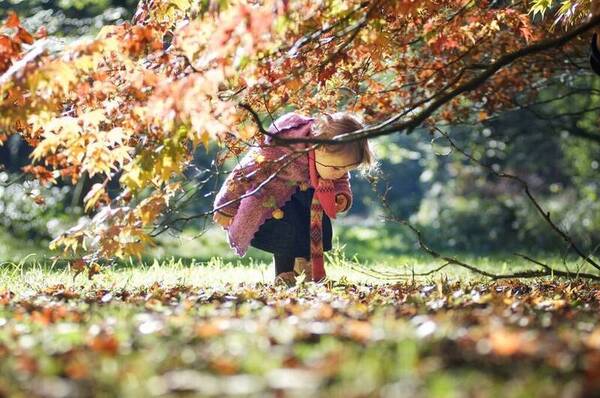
<point x="39" y="200"/>
<point x="12" y="21"/>
<point x="78" y="265"/>
<point x="104" y="343"/>
<point x="24" y="36"/>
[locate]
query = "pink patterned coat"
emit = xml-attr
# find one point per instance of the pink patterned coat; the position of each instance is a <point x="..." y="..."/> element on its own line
<point x="255" y="167"/>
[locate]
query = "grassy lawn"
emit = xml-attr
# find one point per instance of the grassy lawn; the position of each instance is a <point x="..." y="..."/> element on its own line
<point x="220" y="328"/>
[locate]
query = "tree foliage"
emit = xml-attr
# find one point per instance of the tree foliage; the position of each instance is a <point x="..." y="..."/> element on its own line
<point x="135" y="103"/>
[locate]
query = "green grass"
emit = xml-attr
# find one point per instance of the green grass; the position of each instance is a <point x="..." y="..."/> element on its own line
<point x="377" y="246"/>
<point x="36" y="271"/>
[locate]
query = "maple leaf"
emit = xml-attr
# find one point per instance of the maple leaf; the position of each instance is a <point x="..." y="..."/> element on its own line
<point x="150" y="208"/>
<point x="93" y="118"/>
<point x="104" y="343"/>
<point x="326" y="73"/>
<point x="78" y="266"/>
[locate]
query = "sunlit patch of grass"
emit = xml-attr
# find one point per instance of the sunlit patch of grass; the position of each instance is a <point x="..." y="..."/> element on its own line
<point x="378" y="249"/>
<point x="32" y="273"/>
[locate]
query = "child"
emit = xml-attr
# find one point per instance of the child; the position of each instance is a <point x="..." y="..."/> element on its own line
<point x="285" y="215"/>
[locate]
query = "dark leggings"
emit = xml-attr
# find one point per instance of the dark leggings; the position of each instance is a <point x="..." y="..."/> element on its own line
<point x="289" y="237"/>
<point x="283" y="263"/>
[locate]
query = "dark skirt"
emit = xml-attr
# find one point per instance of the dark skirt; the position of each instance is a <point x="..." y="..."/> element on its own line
<point x="290" y="235"/>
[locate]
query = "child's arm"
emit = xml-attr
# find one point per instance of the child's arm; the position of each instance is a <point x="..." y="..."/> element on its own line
<point x="288" y="125"/>
<point x="235" y="185"/>
<point x="342" y="187"/>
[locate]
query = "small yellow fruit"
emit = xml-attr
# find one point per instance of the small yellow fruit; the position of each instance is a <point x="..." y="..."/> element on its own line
<point x="277" y="214"/>
<point x="303" y="186"/>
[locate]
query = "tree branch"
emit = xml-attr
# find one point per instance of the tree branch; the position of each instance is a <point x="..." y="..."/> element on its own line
<point x="545" y="271"/>
<point x="545" y="214"/>
<point x="393" y="125"/>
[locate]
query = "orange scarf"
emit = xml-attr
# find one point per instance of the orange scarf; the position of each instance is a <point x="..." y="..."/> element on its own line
<point x="323" y="201"/>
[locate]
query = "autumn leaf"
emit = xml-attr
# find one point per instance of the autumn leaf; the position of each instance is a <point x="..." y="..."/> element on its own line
<point x="12" y="20"/>
<point x="78" y="266"/>
<point x="93" y="196"/>
<point x="24" y="36"/>
<point x="104" y="343"/>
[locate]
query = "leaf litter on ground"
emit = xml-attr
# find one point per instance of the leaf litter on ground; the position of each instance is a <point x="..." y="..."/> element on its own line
<point x="434" y="337"/>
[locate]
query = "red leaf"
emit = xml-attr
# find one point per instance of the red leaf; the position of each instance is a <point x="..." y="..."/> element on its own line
<point x="326" y="73"/>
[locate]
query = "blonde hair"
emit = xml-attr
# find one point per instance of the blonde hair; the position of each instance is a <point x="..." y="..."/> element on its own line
<point x="329" y="125"/>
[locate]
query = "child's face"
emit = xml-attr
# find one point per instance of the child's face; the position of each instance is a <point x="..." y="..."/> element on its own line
<point x="332" y="166"/>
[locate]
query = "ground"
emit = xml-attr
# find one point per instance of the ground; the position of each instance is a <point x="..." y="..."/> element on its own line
<point x="184" y="328"/>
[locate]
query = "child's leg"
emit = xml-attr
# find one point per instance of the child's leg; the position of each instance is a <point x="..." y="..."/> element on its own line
<point x="283" y="263"/>
<point x="284" y="269"/>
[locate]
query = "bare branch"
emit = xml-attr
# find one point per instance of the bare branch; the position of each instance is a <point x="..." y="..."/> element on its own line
<point x="546" y="270"/>
<point x="545" y="214"/>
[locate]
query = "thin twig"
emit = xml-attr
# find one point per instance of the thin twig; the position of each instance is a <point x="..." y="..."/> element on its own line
<point x="545" y="271"/>
<point x="545" y="214"/>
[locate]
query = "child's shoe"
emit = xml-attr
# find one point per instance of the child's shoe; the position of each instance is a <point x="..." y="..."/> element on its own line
<point x="286" y="279"/>
<point x="303" y="265"/>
